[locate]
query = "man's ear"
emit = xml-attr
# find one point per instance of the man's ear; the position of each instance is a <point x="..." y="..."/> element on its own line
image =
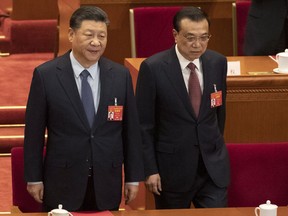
<point x="70" y="34"/>
<point x="175" y="34"/>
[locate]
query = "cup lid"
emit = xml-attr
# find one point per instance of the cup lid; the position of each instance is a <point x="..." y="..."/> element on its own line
<point x="268" y="205"/>
<point x="283" y="53"/>
<point x="60" y="210"/>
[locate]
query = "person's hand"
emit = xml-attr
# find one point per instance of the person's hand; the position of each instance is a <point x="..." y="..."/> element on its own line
<point x="153" y="184"/>
<point x="130" y="192"/>
<point x="36" y="191"/>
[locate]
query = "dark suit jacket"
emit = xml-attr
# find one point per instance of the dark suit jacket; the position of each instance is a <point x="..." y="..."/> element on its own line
<point x="265" y="23"/>
<point x="54" y="102"/>
<point x="172" y="136"/>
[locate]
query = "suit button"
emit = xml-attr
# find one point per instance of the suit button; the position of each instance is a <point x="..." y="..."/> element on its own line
<point x="92" y="136"/>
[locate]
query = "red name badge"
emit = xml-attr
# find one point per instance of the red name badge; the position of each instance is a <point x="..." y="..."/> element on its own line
<point x="216" y="99"/>
<point x="115" y="113"/>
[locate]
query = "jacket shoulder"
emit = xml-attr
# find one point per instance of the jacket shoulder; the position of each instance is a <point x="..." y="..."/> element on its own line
<point x="54" y="63"/>
<point x="109" y="64"/>
<point x="161" y="56"/>
<point x="213" y="56"/>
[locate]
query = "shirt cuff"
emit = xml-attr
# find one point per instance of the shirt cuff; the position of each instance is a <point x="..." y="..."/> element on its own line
<point x="132" y="183"/>
<point x="34" y="183"/>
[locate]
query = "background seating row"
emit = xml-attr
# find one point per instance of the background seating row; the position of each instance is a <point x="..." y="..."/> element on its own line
<point x="147" y="39"/>
<point x="28" y="36"/>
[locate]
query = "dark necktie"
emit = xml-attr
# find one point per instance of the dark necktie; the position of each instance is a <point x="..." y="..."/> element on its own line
<point x="87" y="97"/>
<point x="194" y="89"/>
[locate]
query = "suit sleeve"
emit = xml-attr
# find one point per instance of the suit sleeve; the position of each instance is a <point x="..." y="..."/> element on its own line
<point x="133" y="154"/>
<point x="35" y="124"/>
<point x="221" y="111"/>
<point x="146" y="102"/>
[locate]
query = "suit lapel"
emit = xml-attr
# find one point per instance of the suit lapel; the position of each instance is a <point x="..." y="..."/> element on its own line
<point x="175" y="76"/>
<point x="106" y="84"/>
<point x="67" y="80"/>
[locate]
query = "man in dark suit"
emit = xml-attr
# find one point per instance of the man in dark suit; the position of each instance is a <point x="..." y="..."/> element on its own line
<point x="83" y="165"/>
<point x="266" y="28"/>
<point x="185" y="157"/>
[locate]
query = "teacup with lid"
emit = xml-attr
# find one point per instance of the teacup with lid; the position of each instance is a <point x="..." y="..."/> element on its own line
<point x="282" y="60"/>
<point x="59" y="212"/>
<point x="267" y="209"/>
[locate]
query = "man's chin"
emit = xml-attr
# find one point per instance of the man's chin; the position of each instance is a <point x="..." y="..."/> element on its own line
<point x="93" y="58"/>
<point x="194" y="56"/>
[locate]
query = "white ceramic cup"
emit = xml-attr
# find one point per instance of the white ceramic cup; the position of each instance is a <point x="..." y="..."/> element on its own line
<point x="59" y="212"/>
<point x="267" y="209"/>
<point x="282" y="60"/>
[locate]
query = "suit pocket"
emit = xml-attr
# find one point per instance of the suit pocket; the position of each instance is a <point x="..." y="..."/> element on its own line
<point x="165" y="147"/>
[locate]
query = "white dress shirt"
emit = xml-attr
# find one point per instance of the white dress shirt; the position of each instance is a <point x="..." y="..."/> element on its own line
<point x="186" y="71"/>
<point x="93" y="80"/>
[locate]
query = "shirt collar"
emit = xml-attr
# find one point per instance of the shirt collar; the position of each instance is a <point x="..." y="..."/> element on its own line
<point x="78" y="68"/>
<point x="184" y="62"/>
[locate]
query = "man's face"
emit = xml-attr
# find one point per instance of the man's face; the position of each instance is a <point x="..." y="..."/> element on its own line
<point x="88" y="42"/>
<point x="192" y="38"/>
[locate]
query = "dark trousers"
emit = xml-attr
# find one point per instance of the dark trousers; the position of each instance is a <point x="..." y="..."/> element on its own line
<point x="283" y="40"/>
<point x="204" y="194"/>
<point x="89" y="202"/>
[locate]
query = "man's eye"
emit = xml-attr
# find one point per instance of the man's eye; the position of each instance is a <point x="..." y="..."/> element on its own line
<point x="88" y="34"/>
